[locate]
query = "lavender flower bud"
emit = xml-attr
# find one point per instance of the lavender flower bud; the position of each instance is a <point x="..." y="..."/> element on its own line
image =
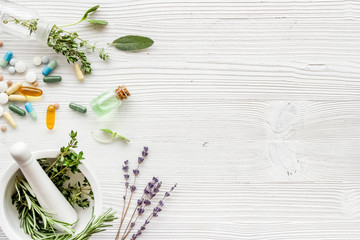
<point x="126" y="162"/>
<point x="147" y="202"/>
<point x="140" y="211"/>
<point x="136" y="172"/>
<point x="161" y="203"/>
<point x="146" y="222"/>
<point x="132" y="224"/>
<point x="139" y="202"/>
<point x="146" y="149"/>
<point x="125" y="168"/>
<point x="146" y="191"/>
<point x="144" y="154"/>
<point x="133" y="237"/>
<point x="126" y="184"/>
<point x="167" y="194"/>
<point x="150" y="185"/>
<point x="142" y="228"/>
<point x="155" y="179"/>
<point x="155" y="214"/>
<point x="126" y="176"/>
<point x="132" y="188"/>
<point x="140" y="160"/>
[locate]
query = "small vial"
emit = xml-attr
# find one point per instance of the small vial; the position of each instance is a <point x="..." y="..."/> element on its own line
<point x="16" y="109"/>
<point x="6" y="59"/>
<point x="50" y="117"/>
<point x="30" y="91"/>
<point x="109" y="101"/>
<point x="79" y="74"/>
<point x="13" y="88"/>
<point x="10" y="119"/>
<point x="29" y="108"/>
<point x="17" y="98"/>
<point x="52" y="79"/>
<point x="77" y="107"/>
<point x="52" y="64"/>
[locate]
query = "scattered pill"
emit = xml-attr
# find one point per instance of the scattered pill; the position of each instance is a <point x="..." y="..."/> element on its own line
<point x="77" y="107"/>
<point x="1" y="111"/>
<point x="16" y="109"/>
<point x="13" y="62"/>
<point x="35" y="84"/>
<point x="13" y="88"/>
<point x="52" y="64"/>
<point x="56" y="105"/>
<point x="52" y="79"/>
<point x="45" y="60"/>
<point x="17" y="98"/>
<point x="1" y="43"/>
<point x="50" y="117"/>
<point x="29" y="108"/>
<point x="3" y="86"/>
<point x="4" y="98"/>
<point x="20" y="67"/>
<point x="3" y="128"/>
<point x="1" y="77"/>
<point x="79" y="74"/>
<point x="4" y="62"/>
<point x="37" y="61"/>
<point x="30" y="77"/>
<point x="9" y="119"/>
<point x="30" y="91"/>
<point x="9" y="83"/>
<point x="11" y="70"/>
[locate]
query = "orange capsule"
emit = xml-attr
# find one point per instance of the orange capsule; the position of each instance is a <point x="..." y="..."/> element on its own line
<point x="50" y="117"/>
<point x="30" y="91"/>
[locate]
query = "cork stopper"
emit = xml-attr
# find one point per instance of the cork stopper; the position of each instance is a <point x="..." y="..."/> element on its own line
<point x="122" y="92"/>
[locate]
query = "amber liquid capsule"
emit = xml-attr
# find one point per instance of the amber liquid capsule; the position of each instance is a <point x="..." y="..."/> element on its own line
<point x="30" y="91"/>
<point x="50" y="117"/>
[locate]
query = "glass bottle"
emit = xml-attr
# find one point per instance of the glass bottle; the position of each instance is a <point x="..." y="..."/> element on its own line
<point x="9" y="11"/>
<point x="109" y="100"/>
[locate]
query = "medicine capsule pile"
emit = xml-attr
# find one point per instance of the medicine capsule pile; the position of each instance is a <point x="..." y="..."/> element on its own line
<point x="50" y="117"/>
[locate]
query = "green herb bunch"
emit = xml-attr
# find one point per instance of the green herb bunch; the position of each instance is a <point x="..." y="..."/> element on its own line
<point x="38" y="223"/>
<point x="74" y="48"/>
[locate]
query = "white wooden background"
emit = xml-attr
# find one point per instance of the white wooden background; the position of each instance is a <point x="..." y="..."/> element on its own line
<point x="252" y="107"/>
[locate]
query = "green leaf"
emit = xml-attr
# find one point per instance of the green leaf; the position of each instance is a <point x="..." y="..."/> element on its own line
<point x="93" y="9"/>
<point x="122" y="137"/>
<point x="99" y="22"/>
<point x="107" y="130"/>
<point x="132" y="43"/>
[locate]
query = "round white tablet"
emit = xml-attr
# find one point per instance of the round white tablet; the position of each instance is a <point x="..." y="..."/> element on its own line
<point x="3" y="86"/>
<point x="13" y="62"/>
<point x="4" y="98"/>
<point x="30" y="77"/>
<point x="20" y="67"/>
<point x="45" y="59"/>
<point x="1" y="111"/>
<point x="37" y="61"/>
<point x="11" y="70"/>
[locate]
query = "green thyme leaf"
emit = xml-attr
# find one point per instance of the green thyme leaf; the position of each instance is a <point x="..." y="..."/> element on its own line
<point x="99" y="22"/>
<point x="132" y="43"/>
<point x="93" y="9"/>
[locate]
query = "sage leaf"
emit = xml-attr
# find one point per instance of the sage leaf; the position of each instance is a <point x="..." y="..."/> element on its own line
<point x="132" y="43"/>
<point x="93" y="9"/>
<point x="98" y="22"/>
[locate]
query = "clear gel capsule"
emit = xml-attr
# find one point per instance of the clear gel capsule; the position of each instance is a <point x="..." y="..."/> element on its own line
<point x="16" y="109"/>
<point x="77" y="107"/>
<point x="50" y="117"/>
<point x="52" y="64"/>
<point x="6" y="59"/>
<point x="29" y="108"/>
<point x="30" y="91"/>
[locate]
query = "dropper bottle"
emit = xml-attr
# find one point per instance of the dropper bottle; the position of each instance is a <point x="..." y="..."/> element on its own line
<point x="10" y="12"/>
<point x="109" y="100"/>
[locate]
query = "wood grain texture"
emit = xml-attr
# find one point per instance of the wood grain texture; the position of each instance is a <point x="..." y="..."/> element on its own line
<point x="252" y="107"/>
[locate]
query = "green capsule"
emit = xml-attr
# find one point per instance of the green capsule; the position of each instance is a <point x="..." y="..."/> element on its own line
<point x="77" y="107"/>
<point x="16" y="109"/>
<point x="52" y="79"/>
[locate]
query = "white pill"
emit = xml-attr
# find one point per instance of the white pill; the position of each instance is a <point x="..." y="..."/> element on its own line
<point x="4" y="98"/>
<point x="3" y="86"/>
<point x="13" y="62"/>
<point x="20" y="67"/>
<point x="37" y="61"/>
<point x="1" y="111"/>
<point x="11" y="70"/>
<point x="45" y="60"/>
<point x="30" y="77"/>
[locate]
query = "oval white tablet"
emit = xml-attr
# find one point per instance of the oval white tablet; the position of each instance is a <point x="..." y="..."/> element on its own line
<point x="4" y="98"/>
<point x="30" y="77"/>
<point x="20" y="67"/>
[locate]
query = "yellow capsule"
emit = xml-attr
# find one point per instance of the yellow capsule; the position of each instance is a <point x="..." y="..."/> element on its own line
<point x="78" y="72"/>
<point x="9" y="119"/>
<point x="13" y="88"/>
<point x="50" y="117"/>
<point x="17" y="98"/>
<point x="30" y="91"/>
